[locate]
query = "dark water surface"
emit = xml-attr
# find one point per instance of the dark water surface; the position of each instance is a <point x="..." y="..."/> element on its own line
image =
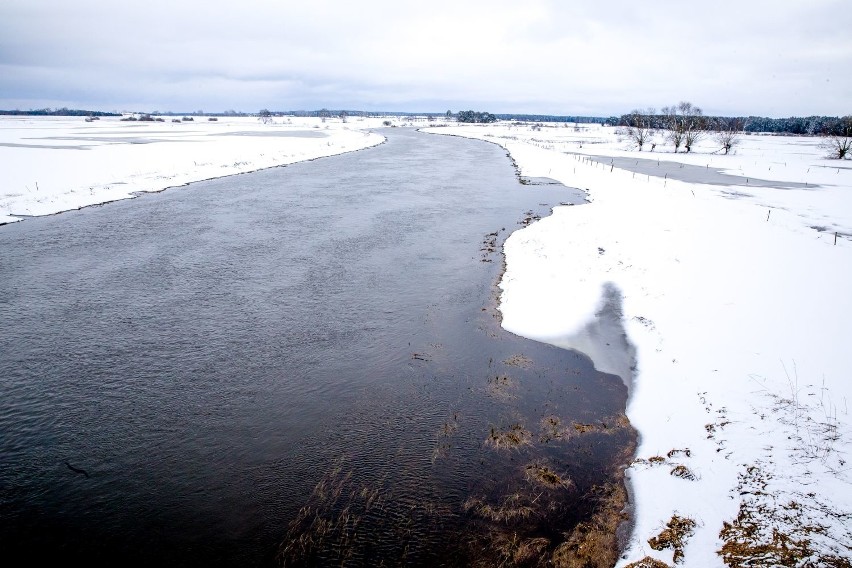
<point x="298" y="365"/>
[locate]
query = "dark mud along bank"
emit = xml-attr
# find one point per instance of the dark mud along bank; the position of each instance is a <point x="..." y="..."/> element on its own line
<point x="299" y="366"/>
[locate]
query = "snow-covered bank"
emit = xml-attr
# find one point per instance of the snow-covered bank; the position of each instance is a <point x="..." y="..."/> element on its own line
<point x="737" y="301"/>
<point x="57" y="164"/>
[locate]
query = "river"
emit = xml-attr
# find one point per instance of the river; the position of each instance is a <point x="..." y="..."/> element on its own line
<point x="301" y="365"/>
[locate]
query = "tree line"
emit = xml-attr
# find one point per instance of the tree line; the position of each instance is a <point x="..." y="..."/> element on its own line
<point x="684" y="124"/>
<point x="794" y="125"/>
<point x="56" y="112"/>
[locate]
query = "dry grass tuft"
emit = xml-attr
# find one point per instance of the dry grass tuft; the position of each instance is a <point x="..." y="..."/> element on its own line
<point x="540" y="473"/>
<point x="594" y="544"/>
<point x="518" y="551"/>
<point x="585" y="428"/>
<point x="682" y="472"/>
<point x="448" y="429"/>
<point x="512" y="508"/>
<point x="331" y="518"/>
<point x="770" y="532"/>
<point x="674" y="536"/>
<point x="648" y="562"/>
<point x="553" y="429"/>
<point x="502" y="387"/>
<point x="442" y="445"/>
<point x="745" y="547"/>
<point x="606" y="426"/>
<point x="521" y="361"/>
<point x="514" y="436"/>
<point x="676" y="452"/>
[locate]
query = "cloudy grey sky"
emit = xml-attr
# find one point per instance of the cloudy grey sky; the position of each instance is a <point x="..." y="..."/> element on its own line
<point x="587" y="57"/>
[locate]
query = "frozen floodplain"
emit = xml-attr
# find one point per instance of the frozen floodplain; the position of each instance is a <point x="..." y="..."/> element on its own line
<point x="54" y="164"/>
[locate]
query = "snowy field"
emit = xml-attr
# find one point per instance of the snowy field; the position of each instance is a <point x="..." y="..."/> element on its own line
<point x="53" y="164"/>
<point x="736" y="296"/>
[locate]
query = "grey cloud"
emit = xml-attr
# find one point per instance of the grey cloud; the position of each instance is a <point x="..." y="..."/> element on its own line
<point x="540" y="56"/>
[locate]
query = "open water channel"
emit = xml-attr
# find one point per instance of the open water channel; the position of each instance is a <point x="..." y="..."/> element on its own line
<point x="299" y="366"/>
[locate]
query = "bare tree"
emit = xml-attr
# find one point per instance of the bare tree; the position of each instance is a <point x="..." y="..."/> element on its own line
<point x="694" y="124"/>
<point x="838" y="142"/>
<point x="640" y="126"/>
<point x="728" y="132"/>
<point x="264" y="116"/>
<point x="686" y="124"/>
<point x="675" y="133"/>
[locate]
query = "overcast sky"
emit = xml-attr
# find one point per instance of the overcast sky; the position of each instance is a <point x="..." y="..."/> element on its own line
<point x="580" y="57"/>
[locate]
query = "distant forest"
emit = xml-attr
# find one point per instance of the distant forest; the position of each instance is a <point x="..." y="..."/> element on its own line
<point x="796" y="125"/>
<point x="57" y="112"/>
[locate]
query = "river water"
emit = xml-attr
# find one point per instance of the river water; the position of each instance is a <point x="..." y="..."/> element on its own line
<point x="301" y="365"/>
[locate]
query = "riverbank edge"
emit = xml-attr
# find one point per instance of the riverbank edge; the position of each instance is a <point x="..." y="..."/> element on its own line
<point x="17" y="218"/>
<point x="617" y="513"/>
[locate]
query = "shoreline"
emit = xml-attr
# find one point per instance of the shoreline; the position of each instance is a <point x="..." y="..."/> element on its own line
<point x="618" y="510"/>
<point x="118" y="166"/>
<point x="709" y="400"/>
<point x="496" y="484"/>
<point x="142" y="193"/>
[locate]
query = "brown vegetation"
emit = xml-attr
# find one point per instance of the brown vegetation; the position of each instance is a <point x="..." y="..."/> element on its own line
<point x="674" y="536"/>
<point x="542" y="474"/>
<point x="501" y="387"/>
<point x="520" y="360"/>
<point x="648" y="562"/>
<point x="513" y="507"/>
<point x="594" y="544"/>
<point x="770" y="533"/>
<point x="514" y="436"/>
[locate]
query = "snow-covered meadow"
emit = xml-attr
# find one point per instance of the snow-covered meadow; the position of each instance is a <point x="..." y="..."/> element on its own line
<point x="57" y="164"/>
<point x="736" y="298"/>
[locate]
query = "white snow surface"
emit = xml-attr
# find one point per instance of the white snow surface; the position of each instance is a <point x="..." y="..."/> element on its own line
<point x="51" y="164"/>
<point x="740" y="312"/>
